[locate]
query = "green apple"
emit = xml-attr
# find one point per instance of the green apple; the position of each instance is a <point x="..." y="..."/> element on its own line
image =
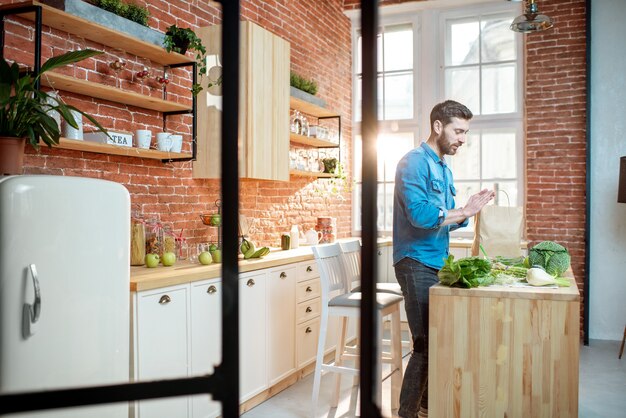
<point x="205" y="258"/>
<point x="216" y="219"/>
<point x="212" y="247"/>
<point x="152" y="260"/>
<point x="217" y="255"/>
<point x="168" y="259"/>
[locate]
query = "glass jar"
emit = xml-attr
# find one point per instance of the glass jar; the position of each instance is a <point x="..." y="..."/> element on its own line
<point x="182" y="248"/>
<point x="169" y="241"/>
<point x="154" y="237"/>
<point x="137" y="239"/>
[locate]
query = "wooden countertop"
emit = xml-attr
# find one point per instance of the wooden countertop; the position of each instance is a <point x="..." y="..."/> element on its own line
<point x="143" y="278"/>
<point x="520" y="292"/>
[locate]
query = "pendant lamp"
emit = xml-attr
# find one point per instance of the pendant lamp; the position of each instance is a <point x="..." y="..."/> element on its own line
<point x="531" y="20"/>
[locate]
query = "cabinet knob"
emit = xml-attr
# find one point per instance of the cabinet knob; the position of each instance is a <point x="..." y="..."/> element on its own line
<point x="380" y="252"/>
<point x="165" y="299"/>
<point x="212" y="289"/>
<point x="308" y="289"/>
<point x="308" y="309"/>
<point x="308" y="330"/>
<point x="283" y="275"/>
<point x="309" y="269"/>
<point x="250" y="283"/>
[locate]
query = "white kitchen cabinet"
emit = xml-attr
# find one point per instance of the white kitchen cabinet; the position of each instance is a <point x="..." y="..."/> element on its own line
<point x="459" y="252"/>
<point x="252" y="333"/>
<point x="281" y="307"/>
<point x="161" y="344"/>
<point x="206" y="337"/>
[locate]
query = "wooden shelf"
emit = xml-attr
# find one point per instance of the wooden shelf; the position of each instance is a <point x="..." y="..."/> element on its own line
<point x="87" y="29"/>
<point x="100" y="91"/>
<point x="312" y="141"/>
<point x="99" y="148"/>
<point x="302" y="173"/>
<point x="310" y="108"/>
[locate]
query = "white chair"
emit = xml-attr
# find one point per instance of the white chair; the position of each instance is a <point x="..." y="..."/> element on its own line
<point x="337" y="301"/>
<point x="352" y="259"/>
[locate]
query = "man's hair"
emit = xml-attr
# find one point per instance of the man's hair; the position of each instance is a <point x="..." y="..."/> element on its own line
<point x="447" y="110"/>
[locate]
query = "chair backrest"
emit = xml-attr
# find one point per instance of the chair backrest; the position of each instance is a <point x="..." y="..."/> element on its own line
<point x="351" y="256"/>
<point x="332" y="276"/>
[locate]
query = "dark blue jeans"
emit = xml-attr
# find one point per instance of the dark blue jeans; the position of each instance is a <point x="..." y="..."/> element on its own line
<point x="415" y="279"/>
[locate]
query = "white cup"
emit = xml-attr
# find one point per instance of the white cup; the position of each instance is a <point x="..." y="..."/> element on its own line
<point x="177" y="143"/>
<point x="164" y="141"/>
<point x="69" y="131"/>
<point x="143" y="138"/>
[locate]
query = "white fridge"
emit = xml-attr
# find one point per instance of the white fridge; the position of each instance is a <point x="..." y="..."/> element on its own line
<point x="64" y="287"/>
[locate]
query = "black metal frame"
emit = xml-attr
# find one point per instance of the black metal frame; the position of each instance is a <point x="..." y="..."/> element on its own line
<point x="223" y="384"/>
<point x="193" y="111"/>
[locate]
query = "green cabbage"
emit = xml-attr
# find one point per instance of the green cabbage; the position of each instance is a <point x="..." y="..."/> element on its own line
<point x="552" y="257"/>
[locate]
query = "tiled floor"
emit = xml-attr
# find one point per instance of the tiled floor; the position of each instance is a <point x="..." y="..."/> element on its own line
<point x="602" y="392"/>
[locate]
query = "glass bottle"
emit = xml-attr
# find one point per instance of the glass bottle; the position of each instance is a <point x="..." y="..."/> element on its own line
<point x="137" y="239"/>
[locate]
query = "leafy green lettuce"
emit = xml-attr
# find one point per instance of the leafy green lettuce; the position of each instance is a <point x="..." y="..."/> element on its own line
<point x="466" y="272"/>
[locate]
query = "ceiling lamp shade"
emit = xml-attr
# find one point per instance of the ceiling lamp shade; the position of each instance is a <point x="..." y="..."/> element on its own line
<point x="531" y="20"/>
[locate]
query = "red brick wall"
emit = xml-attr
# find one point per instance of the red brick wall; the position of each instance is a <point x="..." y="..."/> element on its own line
<point x="319" y="34"/>
<point x="556" y="99"/>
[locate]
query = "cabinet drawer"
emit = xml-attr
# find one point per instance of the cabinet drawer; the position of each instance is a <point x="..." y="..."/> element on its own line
<point x="308" y="310"/>
<point x="306" y="342"/>
<point x="308" y="290"/>
<point x="307" y="271"/>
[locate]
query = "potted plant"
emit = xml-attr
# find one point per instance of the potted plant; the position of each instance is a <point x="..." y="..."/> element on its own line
<point x="25" y="110"/>
<point x="182" y="40"/>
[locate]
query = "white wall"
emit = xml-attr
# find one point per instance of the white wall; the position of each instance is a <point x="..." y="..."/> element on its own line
<point x="607" y="270"/>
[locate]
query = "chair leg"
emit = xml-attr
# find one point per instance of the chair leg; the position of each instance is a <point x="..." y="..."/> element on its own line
<point x="621" y="350"/>
<point x="319" y="360"/>
<point x="341" y="343"/>
<point x="396" y="354"/>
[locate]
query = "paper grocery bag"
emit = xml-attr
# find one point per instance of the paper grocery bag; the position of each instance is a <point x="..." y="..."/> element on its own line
<point x="499" y="230"/>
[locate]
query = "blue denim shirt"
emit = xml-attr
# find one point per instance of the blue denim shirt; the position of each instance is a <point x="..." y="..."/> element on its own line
<point x="424" y="192"/>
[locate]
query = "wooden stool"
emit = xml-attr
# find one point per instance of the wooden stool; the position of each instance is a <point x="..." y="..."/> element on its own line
<point x="621" y="349"/>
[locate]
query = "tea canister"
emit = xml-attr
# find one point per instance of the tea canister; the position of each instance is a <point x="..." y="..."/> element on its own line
<point x="327" y="226"/>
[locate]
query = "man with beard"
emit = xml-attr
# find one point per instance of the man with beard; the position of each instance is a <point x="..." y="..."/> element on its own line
<point x="423" y="215"/>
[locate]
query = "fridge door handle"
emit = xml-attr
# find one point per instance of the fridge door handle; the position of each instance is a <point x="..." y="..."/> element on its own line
<point x="35" y="308"/>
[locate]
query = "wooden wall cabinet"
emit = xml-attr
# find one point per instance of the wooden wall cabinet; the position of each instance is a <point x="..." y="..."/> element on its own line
<point x="264" y="106"/>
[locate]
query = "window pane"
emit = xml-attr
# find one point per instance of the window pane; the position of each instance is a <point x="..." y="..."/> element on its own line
<point x="358" y="98"/>
<point x="462" y="85"/>
<point x="498" y="89"/>
<point x="398" y="96"/>
<point x="357" y="58"/>
<point x="358" y="157"/>
<point x="462" y="43"/>
<point x="356" y="212"/>
<point x="380" y="207"/>
<point x="499" y="154"/>
<point x="398" y="48"/>
<point x="498" y="40"/>
<point x="392" y="147"/>
<point x="384" y="206"/>
<point x="507" y="193"/>
<point x="465" y="165"/>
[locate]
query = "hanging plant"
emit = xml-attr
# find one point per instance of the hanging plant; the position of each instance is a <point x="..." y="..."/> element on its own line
<point x="181" y="40"/>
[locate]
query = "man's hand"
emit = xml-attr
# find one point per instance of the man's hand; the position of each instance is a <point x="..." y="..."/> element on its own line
<point x="477" y="201"/>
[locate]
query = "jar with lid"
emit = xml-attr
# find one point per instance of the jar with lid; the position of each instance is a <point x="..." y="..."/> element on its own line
<point x="154" y="236"/>
<point x="137" y="239"/>
<point x="169" y="243"/>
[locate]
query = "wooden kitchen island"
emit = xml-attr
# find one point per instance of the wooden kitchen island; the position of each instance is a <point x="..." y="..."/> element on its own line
<point x="504" y="351"/>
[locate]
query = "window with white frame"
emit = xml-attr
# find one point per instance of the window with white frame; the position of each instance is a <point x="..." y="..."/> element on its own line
<point x="468" y="54"/>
